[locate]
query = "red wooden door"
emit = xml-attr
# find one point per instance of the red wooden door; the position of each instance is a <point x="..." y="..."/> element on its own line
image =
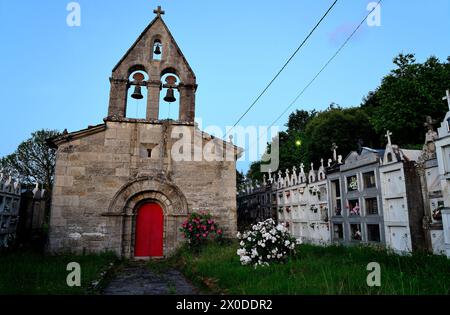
<point x="149" y="231"/>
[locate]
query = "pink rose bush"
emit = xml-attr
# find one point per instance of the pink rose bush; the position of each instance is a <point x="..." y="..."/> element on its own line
<point x="199" y="228"/>
<point x="266" y="243"/>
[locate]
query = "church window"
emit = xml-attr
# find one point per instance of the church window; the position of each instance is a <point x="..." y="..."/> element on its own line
<point x="371" y="206"/>
<point x="373" y="233"/>
<point x="369" y="180"/>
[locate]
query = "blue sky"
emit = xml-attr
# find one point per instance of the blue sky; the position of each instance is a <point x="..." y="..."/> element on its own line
<point x="55" y="77"/>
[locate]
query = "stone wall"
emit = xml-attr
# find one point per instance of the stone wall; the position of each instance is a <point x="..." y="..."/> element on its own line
<point x="103" y="173"/>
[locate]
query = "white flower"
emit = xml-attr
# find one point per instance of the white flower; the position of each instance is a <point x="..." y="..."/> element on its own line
<point x="241" y="252"/>
<point x="245" y="260"/>
<point x="249" y="239"/>
<point x="299" y="241"/>
<point x="238" y="235"/>
<point x="242" y="243"/>
<point x="254" y="253"/>
<point x="287" y="243"/>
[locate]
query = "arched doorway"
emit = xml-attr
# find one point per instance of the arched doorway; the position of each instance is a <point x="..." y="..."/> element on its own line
<point x="149" y="231"/>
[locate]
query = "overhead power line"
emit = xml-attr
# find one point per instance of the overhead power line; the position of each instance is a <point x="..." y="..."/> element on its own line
<point x="282" y="68"/>
<point x="324" y="67"/>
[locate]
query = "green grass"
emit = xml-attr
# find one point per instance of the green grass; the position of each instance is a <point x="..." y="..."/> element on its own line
<point x="29" y="272"/>
<point x="315" y="270"/>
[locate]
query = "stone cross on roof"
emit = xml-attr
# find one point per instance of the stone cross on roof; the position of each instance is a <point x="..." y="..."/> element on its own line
<point x="334" y="147"/>
<point x="447" y="97"/>
<point x="388" y="136"/>
<point x="158" y="11"/>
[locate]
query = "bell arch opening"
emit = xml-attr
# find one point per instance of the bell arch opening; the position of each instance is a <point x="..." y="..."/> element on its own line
<point x="157" y="53"/>
<point x="136" y="102"/>
<point x="170" y="95"/>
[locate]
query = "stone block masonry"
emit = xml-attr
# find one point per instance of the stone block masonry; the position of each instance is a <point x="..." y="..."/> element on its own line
<point x="106" y="173"/>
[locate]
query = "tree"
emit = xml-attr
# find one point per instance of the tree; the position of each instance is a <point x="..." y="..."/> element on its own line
<point x="299" y="119"/>
<point x="290" y="143"/>
<point x="239" y="179"/>
<point x="408" y="94"/>
<point x="343" y="126"/>
<point x="33" y="161"/>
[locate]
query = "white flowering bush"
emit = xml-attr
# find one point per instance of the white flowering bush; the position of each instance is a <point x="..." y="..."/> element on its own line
<point x="265" y="243"/>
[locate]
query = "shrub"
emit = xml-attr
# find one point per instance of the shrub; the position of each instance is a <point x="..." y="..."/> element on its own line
<point x="265" y="243"/>
<point x="199" y="228"/>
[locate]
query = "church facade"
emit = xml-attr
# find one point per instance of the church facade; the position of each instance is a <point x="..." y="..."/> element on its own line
<point x="127" y="185"/>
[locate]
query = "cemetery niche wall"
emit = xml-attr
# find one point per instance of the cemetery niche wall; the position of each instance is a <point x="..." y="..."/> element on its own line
<point x="302" y="201"/>
<point x="443" y="157"/>
<point x="255" y="203"/>
<point x="9" y="209"/>
<point x="33" y="216"/>
<point x="402" y="199"/>
<point x="391" y="197"/>
<point x="294" y="198"/>
<point x="357" y="215"/>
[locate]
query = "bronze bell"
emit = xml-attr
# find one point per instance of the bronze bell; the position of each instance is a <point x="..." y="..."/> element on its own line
<point x="137" y="93"/>
<point x="170" y="97"/>
<point x="157" y="50"/>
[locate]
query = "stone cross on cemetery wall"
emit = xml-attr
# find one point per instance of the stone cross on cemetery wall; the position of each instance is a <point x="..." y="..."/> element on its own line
<point x="447" y="97"/>
<point x="334" y="147"/>
<point x="388" y="136"/>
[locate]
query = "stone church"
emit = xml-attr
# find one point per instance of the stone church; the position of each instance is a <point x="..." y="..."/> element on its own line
<point x="118" y="186"/>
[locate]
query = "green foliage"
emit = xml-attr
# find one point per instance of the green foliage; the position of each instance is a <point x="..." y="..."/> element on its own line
<point x="316" y="271"/>
<point x="27" y="272"/>
<point x="336" y="125"/>
<point x="33" y="161"/>
<point x="239" y="178"/>
<point x="199" y="228"/>
<point x="290" y="143"/>
<point x="408" y="94"/>
<point x="299" y="119"/>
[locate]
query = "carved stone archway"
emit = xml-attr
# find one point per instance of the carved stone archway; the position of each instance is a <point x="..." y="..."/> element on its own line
<point x="127" y="200"/>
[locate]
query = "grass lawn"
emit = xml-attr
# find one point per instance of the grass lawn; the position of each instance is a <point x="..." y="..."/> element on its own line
<point x="29" y="272"/>
<point x="315" y="270"/>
